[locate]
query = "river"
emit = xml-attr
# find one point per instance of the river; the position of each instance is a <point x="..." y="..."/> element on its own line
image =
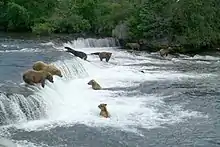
<point x="174" y="103"/>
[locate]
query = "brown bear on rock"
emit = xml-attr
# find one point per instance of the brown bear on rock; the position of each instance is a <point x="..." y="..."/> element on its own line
<point x="32" y="77"/>
<point x="103" y="55"/>
<point x="40" y="65"/>
<point x="94" y="84"/>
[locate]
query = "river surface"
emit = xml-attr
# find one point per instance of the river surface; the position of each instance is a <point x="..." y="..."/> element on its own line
<point x="174" y="103"/>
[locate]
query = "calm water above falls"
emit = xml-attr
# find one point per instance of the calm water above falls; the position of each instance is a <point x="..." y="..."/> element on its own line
<point x="174" y="103"/>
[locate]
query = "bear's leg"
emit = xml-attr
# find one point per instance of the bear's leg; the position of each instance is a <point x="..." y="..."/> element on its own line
<point x="107" y="58"/>
<point x="43" y="83"/>
<point x="100" y="58"/>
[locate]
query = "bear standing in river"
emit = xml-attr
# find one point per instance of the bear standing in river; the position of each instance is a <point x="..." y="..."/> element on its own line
<point x="104" y="112"/>
<point x="133" y="46"/>
<point x="102" y="55"/>
<point x="32" y="77"/>
<point x="40" y="65"/>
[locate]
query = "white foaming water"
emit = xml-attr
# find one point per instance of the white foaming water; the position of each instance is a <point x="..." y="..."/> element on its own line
<point x="48" y="44"/>
<point x="22" y="50"/>
<point x="207" y="57"/>
<point x="70" y="100"/>
<point x="5" y="45"/>
<point x="90" y="42"/>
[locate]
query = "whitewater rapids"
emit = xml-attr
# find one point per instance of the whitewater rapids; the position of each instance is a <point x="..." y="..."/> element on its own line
<point x="70" y="101"/>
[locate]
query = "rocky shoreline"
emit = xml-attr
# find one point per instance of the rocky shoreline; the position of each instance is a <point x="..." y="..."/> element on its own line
<point x="163" y="46"/>
<point x="166" y="48"/>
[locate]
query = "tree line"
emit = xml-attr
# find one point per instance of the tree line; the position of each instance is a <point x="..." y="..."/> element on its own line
<point x="190" y="24"/>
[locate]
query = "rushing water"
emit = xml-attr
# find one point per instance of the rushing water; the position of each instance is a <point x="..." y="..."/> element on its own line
<point x="175" y="102"/>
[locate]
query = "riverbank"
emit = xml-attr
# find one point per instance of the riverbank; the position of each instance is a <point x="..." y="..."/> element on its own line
<point x="146" y="46"/>
<point x="175" y="49"/>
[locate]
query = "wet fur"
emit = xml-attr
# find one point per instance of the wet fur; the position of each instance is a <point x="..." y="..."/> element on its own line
<point x="103" y="55"/>
<point x="104" y="112"/>
<point x="79" y="54"/>
<point x="40" y="65"/>
<point x="32" y="77"/>
<point x="94" y="84"/>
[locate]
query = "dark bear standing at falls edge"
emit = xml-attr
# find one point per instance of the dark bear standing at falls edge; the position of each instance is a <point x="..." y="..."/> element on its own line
<point x="32" y="76"/>
<point x="79" y="54"/>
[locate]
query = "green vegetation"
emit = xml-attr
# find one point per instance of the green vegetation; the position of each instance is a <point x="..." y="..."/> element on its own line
<point x="191" y="24"/>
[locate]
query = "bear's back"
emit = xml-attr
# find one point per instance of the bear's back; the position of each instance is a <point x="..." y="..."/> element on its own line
<point x="39" y="65"/>
<point x="35" y="76"/>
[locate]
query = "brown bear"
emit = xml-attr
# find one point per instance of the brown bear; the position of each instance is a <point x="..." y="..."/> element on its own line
<point x="102" y="55"/>
<point x="165" y="52"/>
<point x="133" y="46"/>
<point x="104" y="112"/>
<point x="32" y="76"/>
<point x="40" y="65"/>
<point x="94" y="84"/>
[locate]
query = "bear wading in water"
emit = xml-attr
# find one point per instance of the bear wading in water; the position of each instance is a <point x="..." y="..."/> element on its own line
<point x="40" y="65"/>
<point x="104" y="112"/>
<point x="32" y="77"/>
<point x="103" y="55"/>
<point x="164" y="52"/>
<point x="94" y="84"/>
